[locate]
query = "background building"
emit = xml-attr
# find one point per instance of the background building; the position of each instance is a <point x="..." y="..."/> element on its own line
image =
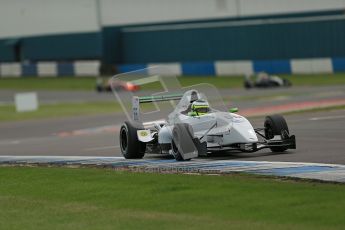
<point x="206" y="36"/>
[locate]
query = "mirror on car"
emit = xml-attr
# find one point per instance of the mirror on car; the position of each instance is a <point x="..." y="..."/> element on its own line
<point x="233" y="110"/>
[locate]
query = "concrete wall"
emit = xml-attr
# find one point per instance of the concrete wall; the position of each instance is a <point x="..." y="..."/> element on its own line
<point x="117" y="12"/>
<point x="213" y="68"/>
<point x="20" y="18"/>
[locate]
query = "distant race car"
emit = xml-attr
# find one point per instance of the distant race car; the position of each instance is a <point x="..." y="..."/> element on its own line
<point x="195" y="129"/>
<point x="107" y="85"/>
<point x="264" y="80"/>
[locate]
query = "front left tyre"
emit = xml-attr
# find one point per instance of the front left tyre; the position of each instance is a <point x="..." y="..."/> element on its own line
<point x="247" y="84"/>
<point x="99" y="88"/>
<point x="131" y="147"/>
<point x="276" y="125"/>
<point x="286" y="82"/>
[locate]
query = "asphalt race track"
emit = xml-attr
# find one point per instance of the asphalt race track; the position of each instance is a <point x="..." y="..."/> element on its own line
<point x="320" y="135"/>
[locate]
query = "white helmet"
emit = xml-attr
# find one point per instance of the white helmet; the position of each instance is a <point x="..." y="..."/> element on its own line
<point x="200" y="107"/>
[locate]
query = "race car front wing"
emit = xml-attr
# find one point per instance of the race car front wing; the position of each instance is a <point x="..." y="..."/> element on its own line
<point x="285" y="141"/>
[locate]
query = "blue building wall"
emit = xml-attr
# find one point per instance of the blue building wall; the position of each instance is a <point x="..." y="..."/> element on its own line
<point x="7" y="51"/>
<point x="78" y="46"/>
<point x="228" y="43"/>
<point x="266" y="41"/>
<point x="63" y="47"/>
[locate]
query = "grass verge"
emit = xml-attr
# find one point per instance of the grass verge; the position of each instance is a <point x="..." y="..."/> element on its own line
<point x="80" y="83"/>
<point x="65" y="198"/>
<point x="8" y="112"/>
<point x="316" y="79"/>
<point x="60" y="83"/>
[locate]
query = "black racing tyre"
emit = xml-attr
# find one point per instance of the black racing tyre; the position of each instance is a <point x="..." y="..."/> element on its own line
<point x="108" y="88"/>
<point x="247" y="84"/>
<point x="276" y="125"/>
<point x="287" y="83"/>
<point x="273" y="84"/>
<point x="99" y="89"/>
<point x="131" y="147"/>
<point x="182" y="132"/>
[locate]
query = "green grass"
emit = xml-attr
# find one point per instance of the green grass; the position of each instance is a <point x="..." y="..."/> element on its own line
<point x="61" y="83"/>
<point x="8" y="112"/>
<point x="219" y="82"/>
<point x="80" y="83"/>
<point x="316" y="79"/>
<point x="60" y="198"/>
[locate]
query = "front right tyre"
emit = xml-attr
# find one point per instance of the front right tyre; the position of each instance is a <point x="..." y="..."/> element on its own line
<point x="276" y="125"/>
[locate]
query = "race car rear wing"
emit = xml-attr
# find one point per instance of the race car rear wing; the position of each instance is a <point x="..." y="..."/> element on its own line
<point x="136" y="101"/>
<point x="149" y="99"/>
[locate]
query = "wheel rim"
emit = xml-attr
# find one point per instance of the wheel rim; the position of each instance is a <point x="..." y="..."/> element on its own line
<point x="124" y="140"/>
<point x="269" y="132"/>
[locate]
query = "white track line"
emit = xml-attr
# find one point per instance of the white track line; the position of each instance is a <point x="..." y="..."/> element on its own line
<point x="326" y="118"/>
<point x="102" y="148"/>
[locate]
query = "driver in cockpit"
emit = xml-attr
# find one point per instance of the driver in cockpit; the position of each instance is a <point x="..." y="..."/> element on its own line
<point x="199" y="108"/>
<point x="193" y="97"/>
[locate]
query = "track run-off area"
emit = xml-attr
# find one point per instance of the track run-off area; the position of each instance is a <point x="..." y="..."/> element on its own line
<point x="319" y="134"/>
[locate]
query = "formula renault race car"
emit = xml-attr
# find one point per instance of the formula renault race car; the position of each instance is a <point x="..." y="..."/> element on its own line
<point x="264" y="80"/>
<point x="105" y="85"/>
<point x="195" y="129"/>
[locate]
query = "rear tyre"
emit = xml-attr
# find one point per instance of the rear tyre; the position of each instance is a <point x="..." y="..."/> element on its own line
<point x="287" y="83"/>
<point x="276" y="125"/>
<point x="131" y="147"/>
<point x="99" y="88"/>
<point x="247" y="84"/>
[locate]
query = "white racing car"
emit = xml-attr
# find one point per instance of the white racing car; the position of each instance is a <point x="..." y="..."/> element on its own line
<point x="264" y="80"/>
<point x="195" y="129"/>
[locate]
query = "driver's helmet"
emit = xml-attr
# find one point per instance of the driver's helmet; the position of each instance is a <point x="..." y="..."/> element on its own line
<point x="199" y="108"/>
<point x="262" y="76"/>
<point x="193" y="96"/>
